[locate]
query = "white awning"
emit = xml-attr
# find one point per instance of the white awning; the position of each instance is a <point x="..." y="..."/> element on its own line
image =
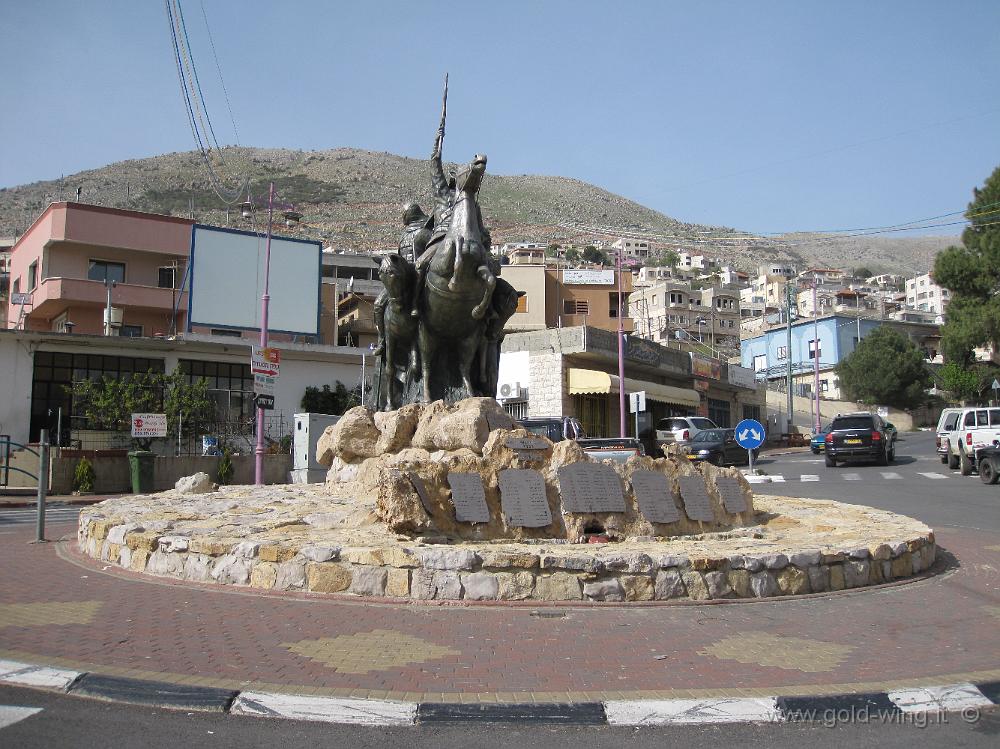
<point x="590" y="381"/>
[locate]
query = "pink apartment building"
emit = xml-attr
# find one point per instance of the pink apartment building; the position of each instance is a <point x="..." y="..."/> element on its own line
<point x="65" y="256"/>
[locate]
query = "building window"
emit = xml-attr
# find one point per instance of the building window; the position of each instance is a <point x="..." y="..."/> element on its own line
<point x="592" y="411"/>
<point x="824" y="385"/>
<point x="718" y="411"/>
<point x="131" y="331"/>
<point x="760" y="363"/>
<point x="522" y="303"/>
<point x="167" y="277"/>
<point x="16" y="289"/>
<point x="782" y="352"/>
<point x="813" y="352"/>
<point x="32" y="276"/>
<point x="102" y="270"/>
<point x="576" y="307"/>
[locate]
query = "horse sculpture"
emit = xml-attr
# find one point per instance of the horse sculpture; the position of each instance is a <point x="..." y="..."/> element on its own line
<point x="401" y="362"/>
<point x="455" y="294"/>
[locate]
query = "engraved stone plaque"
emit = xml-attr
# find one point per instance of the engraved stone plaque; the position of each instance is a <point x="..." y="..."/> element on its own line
<point x="418" y="484"/>
<point x="526" y="443"/>
<point x="733" y="498"/>
<point x="656" y="501"/>
<point x="590" y="487"/>
<point x="695" y="495"/>
<point x="522" y="498"/>
<point x="469" y="498"/>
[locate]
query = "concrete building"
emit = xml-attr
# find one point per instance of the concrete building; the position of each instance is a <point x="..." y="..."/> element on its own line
<point x="573" y="371"/>
<point x="36" y="368"/>
<point x="925" y="295"/>
<point x="651" y="275"/>
<point x="356" y="321"/>
<point x="64" y="257"/>
<point x="674" y="310"/>
<point x="5" y="244"/>
<point x="637" y="249"/>
<point x="697" y="262"/>
<point x="767" y="352"/>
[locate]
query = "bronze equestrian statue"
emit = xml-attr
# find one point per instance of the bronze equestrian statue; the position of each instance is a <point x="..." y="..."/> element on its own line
<point x="449" y="347"/>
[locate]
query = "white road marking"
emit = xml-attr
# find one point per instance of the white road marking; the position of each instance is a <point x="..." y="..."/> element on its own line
<point x="664" y="712"/>
<point x="933" y="475"/>
<point x="809" y="477"/>
<point x="938" y="699"/>
<point x="890" y="475"/>
<point x="327" y="709"/>
<point x="852" y="477"/>
<point x="27" y="675"/>
<point x="9" y="715"/>
<point x="779" y="479"/>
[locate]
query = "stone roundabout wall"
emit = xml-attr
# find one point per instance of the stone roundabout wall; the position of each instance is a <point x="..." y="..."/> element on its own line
<point x="282" y="539"/>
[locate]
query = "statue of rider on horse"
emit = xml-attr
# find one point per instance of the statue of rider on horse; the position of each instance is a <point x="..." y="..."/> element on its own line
<point x="440" y="319"/>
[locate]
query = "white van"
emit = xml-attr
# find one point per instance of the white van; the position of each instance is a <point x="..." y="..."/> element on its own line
<point x="976" y="428"/>
<point x="947" y="423"/>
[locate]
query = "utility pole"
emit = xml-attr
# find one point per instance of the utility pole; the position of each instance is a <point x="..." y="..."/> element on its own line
<point x="623" y="429"/>
<point x="264" y="303"/>
<point x="788" y="353"/>
<point x="816" y="358"/>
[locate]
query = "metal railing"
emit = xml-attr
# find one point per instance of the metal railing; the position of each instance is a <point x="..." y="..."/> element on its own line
<point x="42" y="477"/>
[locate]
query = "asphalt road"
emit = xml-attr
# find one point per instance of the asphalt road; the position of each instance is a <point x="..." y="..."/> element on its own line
<point x="915" y="484"/>
<point x="907" y="487"/>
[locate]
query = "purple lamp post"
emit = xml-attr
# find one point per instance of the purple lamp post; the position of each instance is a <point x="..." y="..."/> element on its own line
<point x="622" y="428"/>
<point x="264" y="300"/>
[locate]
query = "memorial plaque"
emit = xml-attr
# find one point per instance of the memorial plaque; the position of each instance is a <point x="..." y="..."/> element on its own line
<point x="421" y="487"/>
<point x="526" y="443"/>
<point x="697" y="505"/>
<point x="733" y="498"/>
<point x="590" y="487"/>
<point x="656" y="501"/>
<point x="469" y="498"/>
<point x="522" y="498"/>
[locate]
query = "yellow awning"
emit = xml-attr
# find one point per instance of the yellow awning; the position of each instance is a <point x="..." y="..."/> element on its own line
<point x="586" y="381"/>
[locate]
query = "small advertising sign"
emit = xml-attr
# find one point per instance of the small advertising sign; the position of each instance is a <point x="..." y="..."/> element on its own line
<point x="22" y="298"/>
<point x="637" y="401"/>
<point x="265" y="361"/>
<point x="266" y="402"/>
<point x="589" y="277"/>
<point x="264" y="384"/>
<point x="149" y="425"/>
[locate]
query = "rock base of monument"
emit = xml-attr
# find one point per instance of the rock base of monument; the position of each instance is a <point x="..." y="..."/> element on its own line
<point x="327" y="540"/>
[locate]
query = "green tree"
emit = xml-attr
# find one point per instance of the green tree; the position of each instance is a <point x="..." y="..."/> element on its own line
<point x="552" y="250"/>
<point x="671" y="258"/>
<point x="862" y="272"/>
<point x="109" y="403"/>
<point x="885" y="369"/>
<point x="962" y="382"/>
<point x="572" y="255"/>
<point x="329" y="400"/>
<point x="593" y="255"/>
<point x="972" y="274"/>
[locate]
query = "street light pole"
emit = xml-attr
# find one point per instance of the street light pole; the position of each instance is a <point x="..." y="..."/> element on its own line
<point x="264" y="301"/>
<point x="622" y="428"/>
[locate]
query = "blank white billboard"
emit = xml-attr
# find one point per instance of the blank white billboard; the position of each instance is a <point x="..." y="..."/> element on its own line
<point x="227" y="281"/>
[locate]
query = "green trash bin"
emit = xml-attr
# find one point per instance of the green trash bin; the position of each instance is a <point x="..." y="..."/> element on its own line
<point x="140" y="464"/>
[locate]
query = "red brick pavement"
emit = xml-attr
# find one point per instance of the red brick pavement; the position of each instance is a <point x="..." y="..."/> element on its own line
<point x="940" y="630"/>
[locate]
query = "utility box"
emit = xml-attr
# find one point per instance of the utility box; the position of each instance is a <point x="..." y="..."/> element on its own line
<point x="308" y="429"/>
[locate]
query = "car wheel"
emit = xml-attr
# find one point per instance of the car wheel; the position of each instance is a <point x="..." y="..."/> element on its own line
<point x="952" y="460"/>
<point x="883" y="457"/>
<point x="892" y="454"/>
<point x="964" y="464"/>
<point x="988" y="472"/>
<point x="830" y="462"/>
<point x="815" y="451"/>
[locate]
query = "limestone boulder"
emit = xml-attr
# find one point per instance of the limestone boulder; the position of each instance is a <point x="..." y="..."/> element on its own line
<point x="467" y="423"/>
<point x="353" y="437"/>
<point x="396" y="428"/>
<point x="198" y="483"/>
<point x="398" y="505"/>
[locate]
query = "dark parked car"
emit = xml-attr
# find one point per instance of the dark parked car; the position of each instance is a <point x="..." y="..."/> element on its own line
<point x="988" y="460"/>
<point x="860" y="436"/>
<point x="556" y="428"/>
<point x="719" y="447"/>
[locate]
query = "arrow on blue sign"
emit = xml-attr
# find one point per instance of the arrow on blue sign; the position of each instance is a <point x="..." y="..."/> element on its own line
<point x="750" y="434"/>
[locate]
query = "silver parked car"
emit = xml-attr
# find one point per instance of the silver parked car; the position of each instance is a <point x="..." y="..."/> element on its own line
<point x="680" y="430"/>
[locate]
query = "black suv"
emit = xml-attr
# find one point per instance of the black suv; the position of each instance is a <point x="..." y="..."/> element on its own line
<point x="859" y="436"/>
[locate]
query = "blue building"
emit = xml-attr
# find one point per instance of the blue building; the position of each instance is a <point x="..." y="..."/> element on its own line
<point x="767" y="353"/>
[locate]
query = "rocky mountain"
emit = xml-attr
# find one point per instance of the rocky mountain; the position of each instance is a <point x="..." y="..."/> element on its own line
<point x="352" y="199"/>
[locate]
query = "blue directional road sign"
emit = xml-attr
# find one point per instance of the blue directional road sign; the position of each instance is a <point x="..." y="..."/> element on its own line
<point x="750" y="434"/>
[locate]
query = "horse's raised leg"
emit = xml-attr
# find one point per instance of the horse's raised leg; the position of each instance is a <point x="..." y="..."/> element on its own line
<point x="457" y="266"/>
<point x="491" y="281"/>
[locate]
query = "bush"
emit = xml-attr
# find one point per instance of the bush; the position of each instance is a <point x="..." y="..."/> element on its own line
<point x="225" y="473"/>
<point x="84" y="477"/>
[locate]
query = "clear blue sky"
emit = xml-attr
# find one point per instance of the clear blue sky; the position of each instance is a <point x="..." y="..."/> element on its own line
<point x="764" y="116"/>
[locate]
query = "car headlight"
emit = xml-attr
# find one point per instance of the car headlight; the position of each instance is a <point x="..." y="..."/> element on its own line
<point x="704" y="452"/>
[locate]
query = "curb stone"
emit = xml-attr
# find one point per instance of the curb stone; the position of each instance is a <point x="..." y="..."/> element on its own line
<point x="966" y="698"/>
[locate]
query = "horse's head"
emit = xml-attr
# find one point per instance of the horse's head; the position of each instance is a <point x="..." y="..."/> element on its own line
<point x="396" y="274"/>
<point x="470" y="175"/>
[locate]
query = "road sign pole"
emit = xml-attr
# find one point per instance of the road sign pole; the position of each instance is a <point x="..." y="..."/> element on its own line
<point x="43" y="484"/>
